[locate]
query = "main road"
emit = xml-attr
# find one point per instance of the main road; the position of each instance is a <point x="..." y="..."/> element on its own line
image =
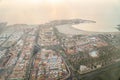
<point x="34" y="51"/>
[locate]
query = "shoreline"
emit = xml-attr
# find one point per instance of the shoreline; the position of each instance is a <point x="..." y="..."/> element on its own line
<point x="68" y="29"/>
<point x="77" y="26"/>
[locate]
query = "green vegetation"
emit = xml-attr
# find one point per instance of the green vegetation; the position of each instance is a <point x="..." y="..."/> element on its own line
<point x="106" y="55"/>
<point x="112" y="73"/>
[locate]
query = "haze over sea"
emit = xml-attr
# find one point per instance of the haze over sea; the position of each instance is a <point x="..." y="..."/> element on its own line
<point x="106" y="13"/>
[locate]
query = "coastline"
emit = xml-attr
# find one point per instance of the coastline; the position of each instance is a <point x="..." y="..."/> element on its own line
<point x="69" y="29"/>
<point x="88" y="25"/>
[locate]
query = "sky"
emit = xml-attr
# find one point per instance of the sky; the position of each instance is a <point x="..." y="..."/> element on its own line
<point x="41" y="11"/>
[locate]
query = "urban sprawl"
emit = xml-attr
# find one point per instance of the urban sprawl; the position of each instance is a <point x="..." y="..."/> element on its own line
<point x="32" y="52"/>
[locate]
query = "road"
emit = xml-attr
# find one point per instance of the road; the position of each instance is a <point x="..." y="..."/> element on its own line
<point x="9" y="70"/>
<point x="6" y="39"/>
<point x="32" y="59"/>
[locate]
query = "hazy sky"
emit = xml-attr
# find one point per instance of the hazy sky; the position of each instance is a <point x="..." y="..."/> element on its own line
<point x="40" y="11"/>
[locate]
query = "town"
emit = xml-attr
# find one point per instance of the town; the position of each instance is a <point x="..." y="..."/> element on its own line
<point x="42" y="52"/>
